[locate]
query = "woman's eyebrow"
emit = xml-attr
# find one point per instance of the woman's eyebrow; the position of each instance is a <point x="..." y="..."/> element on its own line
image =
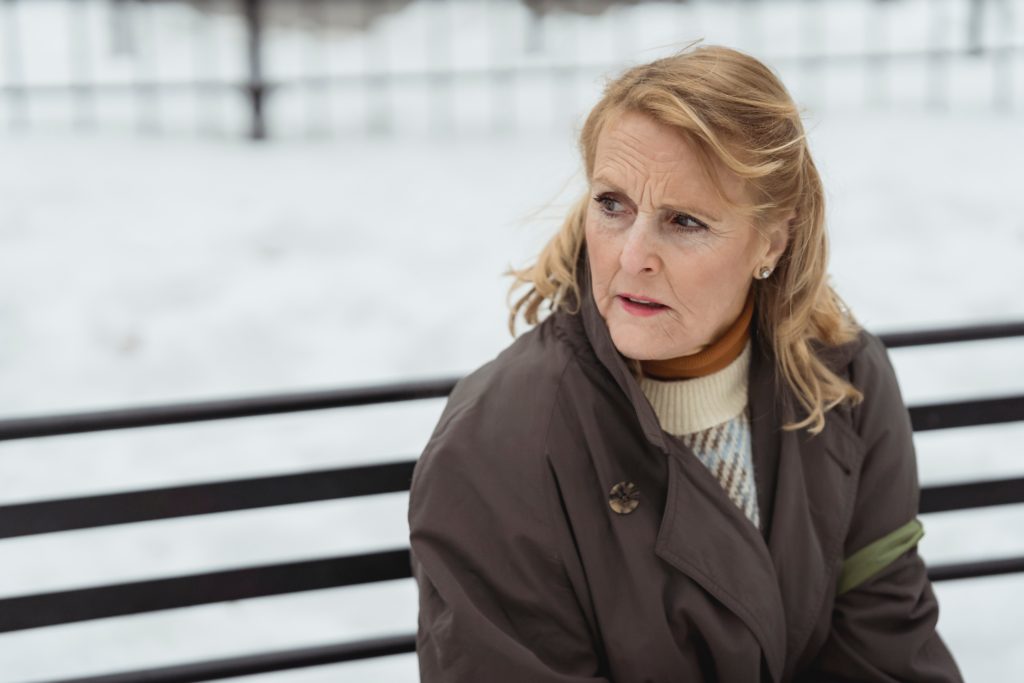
<point x="678" y="208"/>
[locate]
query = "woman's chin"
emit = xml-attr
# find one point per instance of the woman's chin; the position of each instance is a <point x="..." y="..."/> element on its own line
<point x="638" y="346"/>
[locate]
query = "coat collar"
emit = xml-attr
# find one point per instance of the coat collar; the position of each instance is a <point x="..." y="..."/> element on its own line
<point x="776" y="586"/>
<point x="601" y="341"/>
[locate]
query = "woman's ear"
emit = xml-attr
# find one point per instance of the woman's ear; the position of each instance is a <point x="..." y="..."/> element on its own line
<point x="778" y="238"/>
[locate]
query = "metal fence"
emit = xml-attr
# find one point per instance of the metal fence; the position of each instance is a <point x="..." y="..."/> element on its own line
<point x="444" y="67"/>
<point x="63" y="607"/>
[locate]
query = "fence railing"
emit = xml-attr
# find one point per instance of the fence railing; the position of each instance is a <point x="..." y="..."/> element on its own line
<point x="502" y="74"/>
<point x="63" y="607"/>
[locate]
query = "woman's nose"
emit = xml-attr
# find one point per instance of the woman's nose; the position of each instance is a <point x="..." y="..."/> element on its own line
<point x="640" y="250"/>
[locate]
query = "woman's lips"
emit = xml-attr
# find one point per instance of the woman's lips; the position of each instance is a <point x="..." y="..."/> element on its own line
<point x="641" y="310"/>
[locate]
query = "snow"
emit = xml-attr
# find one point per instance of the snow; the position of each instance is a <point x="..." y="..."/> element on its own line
<point x="140" y="270"/>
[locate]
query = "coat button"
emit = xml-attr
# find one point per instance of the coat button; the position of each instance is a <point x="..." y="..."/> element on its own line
<point x="624" y="497"/>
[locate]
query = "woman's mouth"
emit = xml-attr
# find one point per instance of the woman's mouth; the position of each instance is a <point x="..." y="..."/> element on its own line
<point x="640" y="307"/>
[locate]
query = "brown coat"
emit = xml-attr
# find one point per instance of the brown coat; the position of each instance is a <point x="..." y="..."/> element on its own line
<point x="527" y="574"/>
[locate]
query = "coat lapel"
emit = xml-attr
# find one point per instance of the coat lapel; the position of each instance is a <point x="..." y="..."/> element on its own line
<point x="776" y="587"/>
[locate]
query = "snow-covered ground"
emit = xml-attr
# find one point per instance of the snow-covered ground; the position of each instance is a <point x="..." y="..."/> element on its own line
<point x="144" y="270"/>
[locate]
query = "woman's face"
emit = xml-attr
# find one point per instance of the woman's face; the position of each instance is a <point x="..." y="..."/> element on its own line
<point x="654" y="230"/>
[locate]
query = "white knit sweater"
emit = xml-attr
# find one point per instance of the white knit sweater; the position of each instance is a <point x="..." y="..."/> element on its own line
<point x="710" y="414"/>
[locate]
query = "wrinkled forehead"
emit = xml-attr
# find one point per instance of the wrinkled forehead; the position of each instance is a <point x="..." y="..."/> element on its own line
<point x="634" y="147"/>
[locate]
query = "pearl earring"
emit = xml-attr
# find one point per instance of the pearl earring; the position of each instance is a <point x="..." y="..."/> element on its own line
<point x="764" y="272"/>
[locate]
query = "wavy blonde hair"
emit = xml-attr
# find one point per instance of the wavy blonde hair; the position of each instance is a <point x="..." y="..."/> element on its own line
<point x="736" y="110"/>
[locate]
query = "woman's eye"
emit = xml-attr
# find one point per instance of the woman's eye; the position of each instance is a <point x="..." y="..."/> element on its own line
<point x="696" y="224"/>
<point x="603" y="201"/>
<point x="685" y="222"/>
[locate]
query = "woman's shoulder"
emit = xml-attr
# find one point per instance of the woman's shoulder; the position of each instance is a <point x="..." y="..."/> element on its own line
<point x="529" y="367"/>
<point x="871" y="370"/>
<point x="497" y="415"/>
<point x="519" y="381"/>
<point x="864" y="361"/>
<point x="839" y="357"/>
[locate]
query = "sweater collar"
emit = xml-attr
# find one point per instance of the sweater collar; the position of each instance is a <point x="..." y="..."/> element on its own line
<point x="693" y="405"/>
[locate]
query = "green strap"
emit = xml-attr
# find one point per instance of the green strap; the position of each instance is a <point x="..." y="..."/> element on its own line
<point x="876" y="556"/>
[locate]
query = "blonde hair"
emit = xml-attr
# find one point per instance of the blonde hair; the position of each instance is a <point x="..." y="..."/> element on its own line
<point x="736" y="110"/>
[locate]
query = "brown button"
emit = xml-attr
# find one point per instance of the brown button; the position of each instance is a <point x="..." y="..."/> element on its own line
<point x="624" y="497"/>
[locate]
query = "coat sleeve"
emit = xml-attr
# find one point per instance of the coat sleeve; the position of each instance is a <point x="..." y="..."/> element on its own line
<point x="495" y="603"/>
<point x="885" y="612"/>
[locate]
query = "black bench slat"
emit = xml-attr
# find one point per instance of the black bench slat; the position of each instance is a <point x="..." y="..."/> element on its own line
<point x="946" y="335"/>
<point x="220" y="409"/>
<point x="976" y="412"/>
<point x="48" y="516"/>
<point x="977" y="494"/>
<point x="83" y="604"/>
<point x="979" y="568"/>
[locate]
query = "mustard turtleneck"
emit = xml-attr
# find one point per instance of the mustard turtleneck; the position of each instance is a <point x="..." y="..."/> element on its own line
<point x="713" y="358"/>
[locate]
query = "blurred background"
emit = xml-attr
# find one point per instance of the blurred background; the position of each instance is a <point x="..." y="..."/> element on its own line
<point x="224" y="198"/>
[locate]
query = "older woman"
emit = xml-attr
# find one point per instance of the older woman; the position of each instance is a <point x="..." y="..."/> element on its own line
<point x="698" y="466"/>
